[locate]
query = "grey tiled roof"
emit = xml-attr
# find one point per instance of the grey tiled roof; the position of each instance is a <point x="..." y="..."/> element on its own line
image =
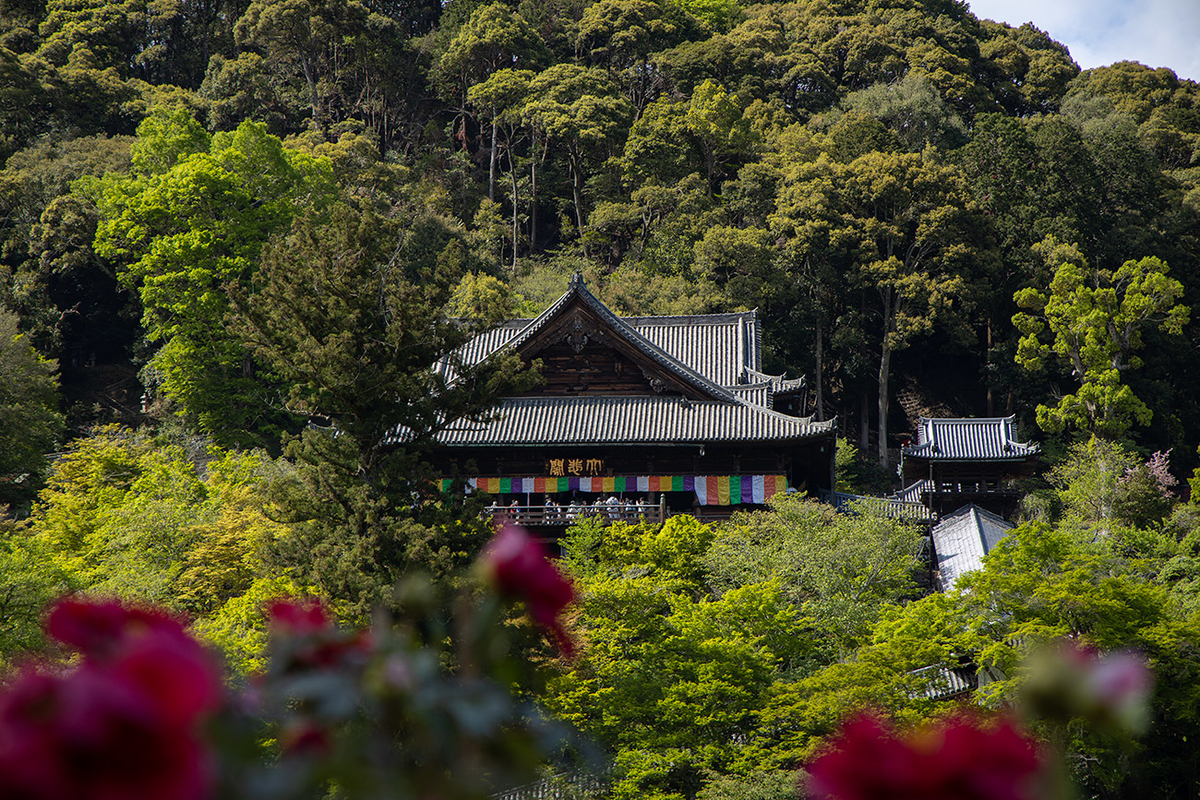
<point x="723" y="348"/>
<point x="719" y="355"/>
<point x="757" y="393"/>
<point x="982" y="439"/>
<point x="914" y="492"/>
<point x="539" y="421"/>
<point x="962" y="539"/>
<point x="891" y="507"/>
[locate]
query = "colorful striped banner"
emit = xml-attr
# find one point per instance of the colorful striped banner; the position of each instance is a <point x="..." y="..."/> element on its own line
<point x="711" y="490"/>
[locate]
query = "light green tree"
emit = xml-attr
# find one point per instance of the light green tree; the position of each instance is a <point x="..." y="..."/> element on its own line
<point x="719" y="124"/>
<point x="1095" y="318"/>
<point x="29" y="581"/>
<point x="693" y="637"/>
<point x="123" y="515"/>
<point x="187" y="224"/>
<point x="842" y="570"/>
<point x="29" y="418"/>
<point x="669" y="677"/>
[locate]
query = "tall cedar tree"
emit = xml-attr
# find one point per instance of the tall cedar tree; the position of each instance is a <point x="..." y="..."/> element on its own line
<point x="350" y="308"/>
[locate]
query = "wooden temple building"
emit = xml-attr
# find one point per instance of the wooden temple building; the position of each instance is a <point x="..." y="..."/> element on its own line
<point x="959" y="461"/>
<point x="650" y="415"/>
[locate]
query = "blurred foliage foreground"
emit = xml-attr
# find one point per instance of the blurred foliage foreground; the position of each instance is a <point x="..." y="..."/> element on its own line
<point x="415" y="707"/>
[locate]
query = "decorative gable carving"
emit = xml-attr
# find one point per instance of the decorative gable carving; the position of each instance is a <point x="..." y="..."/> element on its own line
<point x="583" y="353"/>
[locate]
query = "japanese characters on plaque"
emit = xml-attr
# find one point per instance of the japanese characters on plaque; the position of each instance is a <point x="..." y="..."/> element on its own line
<point x="564" y="467"/>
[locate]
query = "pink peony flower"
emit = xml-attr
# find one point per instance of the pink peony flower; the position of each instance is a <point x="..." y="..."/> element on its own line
<point x="519" y="567"/>
<point x="958" y="759"/>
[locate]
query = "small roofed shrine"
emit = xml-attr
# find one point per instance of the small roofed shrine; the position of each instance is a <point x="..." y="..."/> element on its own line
<point x="636" y="418"/>
<point x="960" y="461"/>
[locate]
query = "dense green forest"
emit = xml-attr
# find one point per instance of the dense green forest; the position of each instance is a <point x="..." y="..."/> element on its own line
<point x="227" y="226"/>
<point x="879" y="179"/>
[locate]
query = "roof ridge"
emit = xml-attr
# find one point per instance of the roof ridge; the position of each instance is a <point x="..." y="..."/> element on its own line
<point x="732" y="316"/>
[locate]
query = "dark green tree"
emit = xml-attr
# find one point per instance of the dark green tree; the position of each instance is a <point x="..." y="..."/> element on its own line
<point x="352" y="310"/>
<point x="493" y="39"/>
<point x="907" y="227"/>
<point x="579" y="110"/>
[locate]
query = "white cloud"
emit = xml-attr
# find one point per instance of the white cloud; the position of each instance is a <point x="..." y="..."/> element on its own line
<point x="1158" y="33"/>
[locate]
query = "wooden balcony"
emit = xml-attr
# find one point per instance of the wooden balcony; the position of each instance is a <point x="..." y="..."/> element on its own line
<point x="556" y="516"/>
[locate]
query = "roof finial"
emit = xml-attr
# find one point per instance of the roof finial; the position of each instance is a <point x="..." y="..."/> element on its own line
<point x="576" y="280"/>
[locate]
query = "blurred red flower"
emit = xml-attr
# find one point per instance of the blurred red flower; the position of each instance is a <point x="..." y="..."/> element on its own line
<point x="97" y="627"/>
<point x="91" y="735"/>
<point x="519" y="567"/>
<point x="298" y="617"/>
<point x="124" y="724"/>
<point x="313" y="640"/>
<point x="958" y="759"/>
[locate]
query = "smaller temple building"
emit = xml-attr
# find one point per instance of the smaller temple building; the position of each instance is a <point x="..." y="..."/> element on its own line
<point x="959" y="461"/>
<point x="637" y="417"/>
<point x="961" y="540"/>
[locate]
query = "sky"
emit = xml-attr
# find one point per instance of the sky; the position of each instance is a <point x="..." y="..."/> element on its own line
<point x="1158" y="33"/>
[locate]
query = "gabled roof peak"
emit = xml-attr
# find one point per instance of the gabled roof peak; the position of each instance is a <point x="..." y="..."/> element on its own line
<point x="577" y="291"/>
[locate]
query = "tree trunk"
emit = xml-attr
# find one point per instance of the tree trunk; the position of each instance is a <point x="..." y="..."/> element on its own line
<point x="991" y="399"/>
<point x="710" y="165"/>
<point x="577" y="192"/>
<point x="492" y="162"/>
<point x="820" y="376"/>
<point x="864" y="424"/>
<point x="310" y="77"/>
<point x="533" y="159"/>
<point x="516" y="231"/>
<point x="885" y="366"/>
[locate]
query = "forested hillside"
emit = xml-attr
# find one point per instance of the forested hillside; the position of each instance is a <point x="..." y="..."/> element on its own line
<point x="878" y="178"/>
<point x="228" y="228"/>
